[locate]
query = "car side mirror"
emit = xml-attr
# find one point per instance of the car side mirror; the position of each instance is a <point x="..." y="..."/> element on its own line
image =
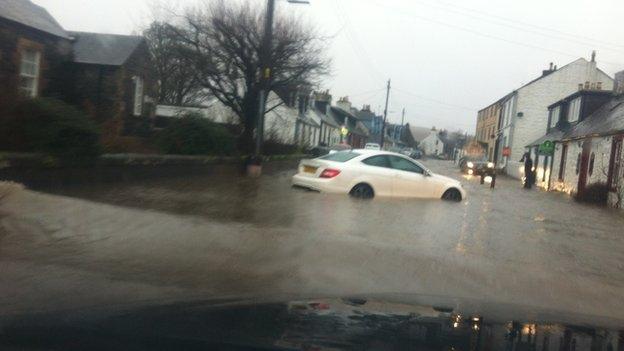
<point x="426" y="173"/>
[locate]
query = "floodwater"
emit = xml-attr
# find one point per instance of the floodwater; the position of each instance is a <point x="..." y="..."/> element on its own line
<point x="226" y="235"/>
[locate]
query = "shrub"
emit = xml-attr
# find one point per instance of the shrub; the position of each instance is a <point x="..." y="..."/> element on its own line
<point x="195" y="135"/>
<point x="272" y="147"/>
<point x="594" y="193"/>
<point x="51" y="127"/>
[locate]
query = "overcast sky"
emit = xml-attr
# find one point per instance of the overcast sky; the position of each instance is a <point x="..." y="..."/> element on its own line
<point x="447" y="59"/>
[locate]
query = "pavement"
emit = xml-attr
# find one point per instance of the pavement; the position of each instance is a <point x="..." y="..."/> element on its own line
<point x="224" y="236"/>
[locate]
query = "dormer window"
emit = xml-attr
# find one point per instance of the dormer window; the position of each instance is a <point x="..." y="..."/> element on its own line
<point x="555" y="114"/>
<point x="574" y="110"/>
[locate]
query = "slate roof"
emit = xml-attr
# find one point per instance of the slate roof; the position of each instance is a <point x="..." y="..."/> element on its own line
<point x="553" y="135"/>
<point x="104" y="49"/>
<point x="419" y="133"/>
<point x="329" y="120"/>
<point x="355" y="126"/>
<point x="31" y="15"/>
<point x="607" y="120"/>
<point x="365" y="115"/>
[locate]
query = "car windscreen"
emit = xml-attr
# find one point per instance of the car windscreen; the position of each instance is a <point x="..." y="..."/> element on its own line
<point x="342" y="156"/>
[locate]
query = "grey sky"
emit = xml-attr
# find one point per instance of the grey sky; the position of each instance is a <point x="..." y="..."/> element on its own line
<point x="446" y="58"/>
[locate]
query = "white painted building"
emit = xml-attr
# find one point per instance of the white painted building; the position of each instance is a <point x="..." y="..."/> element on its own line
<point x="428" y="140"/>
<point x="524" y="112"/>
<point x="282" y="123"/>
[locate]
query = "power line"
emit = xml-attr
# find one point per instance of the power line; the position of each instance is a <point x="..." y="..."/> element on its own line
<point x="355" y="43"/>
<point x="504" y="22"/>
<point x="412" y="15"/>
<point x="576" y="36"/>
<point x="435" y="100"/>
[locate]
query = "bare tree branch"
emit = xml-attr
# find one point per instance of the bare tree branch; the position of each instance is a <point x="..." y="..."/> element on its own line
<point x="221" y="44"/>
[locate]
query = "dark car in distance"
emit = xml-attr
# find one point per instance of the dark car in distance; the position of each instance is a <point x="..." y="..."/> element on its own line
<point x="476" y="165"/>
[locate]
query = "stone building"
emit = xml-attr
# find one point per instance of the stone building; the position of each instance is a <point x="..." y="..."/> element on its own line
<point x="34" y="51"/>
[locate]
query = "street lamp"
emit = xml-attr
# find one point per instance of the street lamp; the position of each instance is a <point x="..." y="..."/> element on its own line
<point x="255" y="167"/>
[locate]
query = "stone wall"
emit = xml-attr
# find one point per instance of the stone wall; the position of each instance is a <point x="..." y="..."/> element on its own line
<point x="600" y="147"/>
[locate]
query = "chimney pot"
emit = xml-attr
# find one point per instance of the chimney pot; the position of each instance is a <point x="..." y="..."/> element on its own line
<point x="580" y="86"/>
<point x="587" y="85"/>
<point x="551" y="66"/>
<point x="599" y="86"/>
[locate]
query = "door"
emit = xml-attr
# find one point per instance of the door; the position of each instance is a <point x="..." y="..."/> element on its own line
<point x="615" y="163"/>
<point x="410" y="179"/>
<point x="562" y="164"/>
<point x="582" y="181"/>
<point x="377" y="172"/>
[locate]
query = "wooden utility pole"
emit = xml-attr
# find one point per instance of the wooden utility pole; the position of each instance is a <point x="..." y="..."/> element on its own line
<point x="265" y="66"/>
<point x="383" y="127"/>
<point x="402" y="124"/>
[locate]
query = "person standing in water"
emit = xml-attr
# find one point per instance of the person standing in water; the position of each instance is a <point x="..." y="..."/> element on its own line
<point x="528" y="170"/>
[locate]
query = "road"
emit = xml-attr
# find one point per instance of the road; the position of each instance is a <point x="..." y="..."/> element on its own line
<point x="228" y="236"/>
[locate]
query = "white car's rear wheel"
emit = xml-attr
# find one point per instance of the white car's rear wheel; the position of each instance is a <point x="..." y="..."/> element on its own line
<point x="362" y="191"/>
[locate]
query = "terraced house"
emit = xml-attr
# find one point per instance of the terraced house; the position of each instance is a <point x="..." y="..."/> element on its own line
<point x="524" y="111"/>
<point x="587" y="129"/>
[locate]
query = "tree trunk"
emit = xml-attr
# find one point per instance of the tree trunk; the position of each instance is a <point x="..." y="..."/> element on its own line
<point x="250" y="112"/>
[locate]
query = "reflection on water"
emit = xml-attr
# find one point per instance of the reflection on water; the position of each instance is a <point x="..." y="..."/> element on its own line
<point x="326" y="324"/>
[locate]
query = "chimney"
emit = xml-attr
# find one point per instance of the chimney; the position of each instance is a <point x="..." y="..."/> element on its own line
<point x="593" y="56"/>
<point x="344" y="103"/>
<point x="586" y="85"/>
<point x="598" y="85"/>
<point x="551" y="69"/>
<point x="580" y="86"/>
<point x="322" y="100"/>
<point x="366" y="108"/>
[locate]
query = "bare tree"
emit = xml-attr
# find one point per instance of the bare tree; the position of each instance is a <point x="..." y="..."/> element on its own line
<point x="178" y="84"/>
<point x="222" y="43"/>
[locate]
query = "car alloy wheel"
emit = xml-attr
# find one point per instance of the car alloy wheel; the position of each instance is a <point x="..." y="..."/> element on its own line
<point x="362" y="191"/>
<point x="452" y="195"/>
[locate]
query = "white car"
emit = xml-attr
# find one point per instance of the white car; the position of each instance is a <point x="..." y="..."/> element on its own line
<point x="372" y="146"/>
<point x="369" y="173"/>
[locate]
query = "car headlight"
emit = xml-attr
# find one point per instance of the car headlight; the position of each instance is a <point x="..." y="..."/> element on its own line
<point x="470" y="164"/>
<point x="490" y="164"/>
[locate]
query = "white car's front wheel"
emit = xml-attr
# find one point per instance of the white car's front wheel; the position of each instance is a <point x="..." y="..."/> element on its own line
<point x="452" y="195"/>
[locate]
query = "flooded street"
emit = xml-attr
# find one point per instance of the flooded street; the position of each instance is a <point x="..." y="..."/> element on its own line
<point x="225" y="235"/>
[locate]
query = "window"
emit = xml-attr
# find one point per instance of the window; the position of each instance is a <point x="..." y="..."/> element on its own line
<point x="29" y="73"/>
<point x="554" y="116"/>
<point x="574" y="110"/>
<point x="342" y="156"/>
<point x="578" y="164"/>
<point x="401" y="164"/>
<point x="591" y="164"/>
<point x="377" y="161"/>
<point x="138" y="96"/>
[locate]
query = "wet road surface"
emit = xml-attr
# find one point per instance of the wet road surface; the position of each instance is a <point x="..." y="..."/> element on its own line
<point x="226" y="235"/>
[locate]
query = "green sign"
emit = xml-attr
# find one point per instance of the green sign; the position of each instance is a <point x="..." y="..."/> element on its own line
<point x="344" y="131"/>
<point x="547" y="148"/>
